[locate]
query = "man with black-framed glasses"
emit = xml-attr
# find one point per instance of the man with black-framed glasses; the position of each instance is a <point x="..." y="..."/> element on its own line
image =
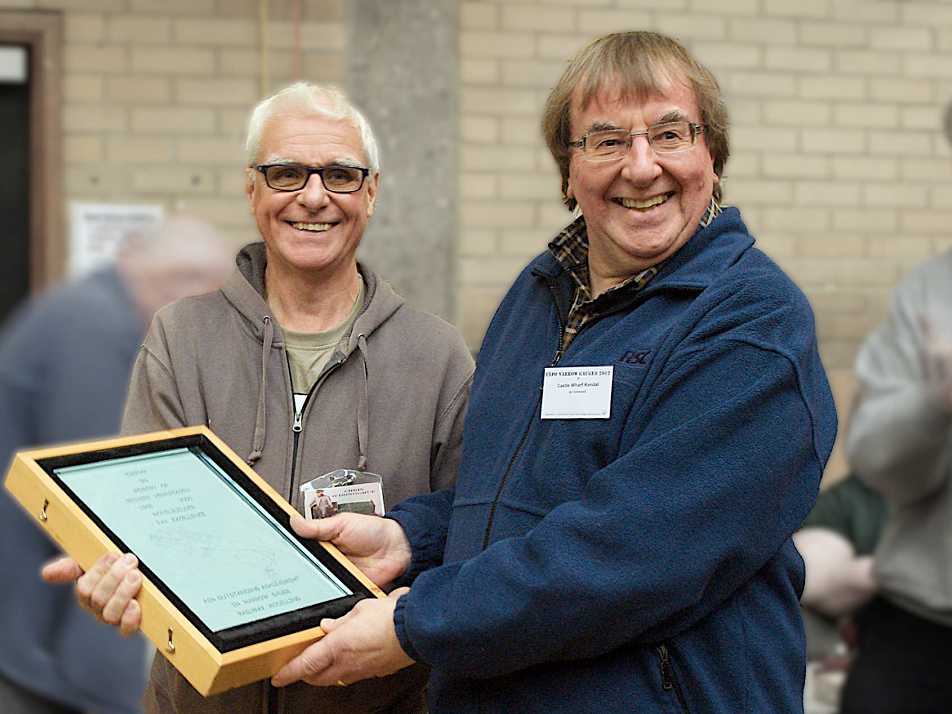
<point x="304" y="363"/>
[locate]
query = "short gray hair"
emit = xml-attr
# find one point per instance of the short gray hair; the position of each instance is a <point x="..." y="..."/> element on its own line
<point x="305" y="98"/>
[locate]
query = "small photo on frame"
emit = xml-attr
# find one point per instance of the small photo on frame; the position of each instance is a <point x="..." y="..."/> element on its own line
<point x="230" y="593"/>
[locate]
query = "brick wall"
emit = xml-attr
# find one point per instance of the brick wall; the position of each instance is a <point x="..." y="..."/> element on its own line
<point x="156" y="94"/>
<point x="839" y="164"/>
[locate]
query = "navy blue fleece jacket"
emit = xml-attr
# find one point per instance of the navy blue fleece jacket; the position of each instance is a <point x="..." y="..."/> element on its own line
<point x="643" y="562"/>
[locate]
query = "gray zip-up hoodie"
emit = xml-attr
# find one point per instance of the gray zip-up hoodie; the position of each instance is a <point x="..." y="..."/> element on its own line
<point x="391" y="400"/>
<point x="900" y="443"/>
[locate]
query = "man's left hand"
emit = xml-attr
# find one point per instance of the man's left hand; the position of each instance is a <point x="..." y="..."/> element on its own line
<point x="359" y="645"/>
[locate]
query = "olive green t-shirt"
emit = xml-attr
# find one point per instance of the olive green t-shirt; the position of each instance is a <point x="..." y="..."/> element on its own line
<point x="309" y="352"/>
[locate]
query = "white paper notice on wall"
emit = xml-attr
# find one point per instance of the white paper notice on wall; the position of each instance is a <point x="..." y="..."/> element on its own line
<point x="97" y="229"/>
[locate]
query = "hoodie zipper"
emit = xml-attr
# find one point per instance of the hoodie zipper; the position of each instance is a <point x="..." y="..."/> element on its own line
<point x="297" y="425"/>
<point x="668" y="681"/>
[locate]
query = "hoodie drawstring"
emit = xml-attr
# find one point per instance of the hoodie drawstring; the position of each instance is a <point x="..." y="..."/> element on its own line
<point x="261" y="418"/>
<point x="363" y="407"/>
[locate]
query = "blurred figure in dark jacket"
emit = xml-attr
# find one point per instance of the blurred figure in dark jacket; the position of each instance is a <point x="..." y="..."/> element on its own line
<point x="65" y="361"/>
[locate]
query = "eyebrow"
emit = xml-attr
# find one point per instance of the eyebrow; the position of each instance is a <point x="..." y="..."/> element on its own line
<point x="601" y="126"/>
<point x="352" y="163"/>
<point x="673" y="115"/>
<point x="345" y="161"/>
<point x="669" y="116"/>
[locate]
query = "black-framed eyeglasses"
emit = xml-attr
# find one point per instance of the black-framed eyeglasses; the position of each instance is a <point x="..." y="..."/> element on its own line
<point x="293" y="177"/>
<point x="611" y="144"/>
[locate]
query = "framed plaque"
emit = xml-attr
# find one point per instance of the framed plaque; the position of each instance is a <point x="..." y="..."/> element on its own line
<point x="230" y="593"/>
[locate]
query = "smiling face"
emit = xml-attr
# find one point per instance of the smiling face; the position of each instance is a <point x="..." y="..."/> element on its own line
<point x="311" y="230"/>
<point x="642" y="208"/>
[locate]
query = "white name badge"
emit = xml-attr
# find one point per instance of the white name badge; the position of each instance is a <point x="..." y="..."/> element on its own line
<point x="343" y="490"/>
<point x="577" y="393"/>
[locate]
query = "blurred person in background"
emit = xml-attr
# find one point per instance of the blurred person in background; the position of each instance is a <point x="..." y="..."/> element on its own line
<point x="837" y="541"/>
<point x="900" y="443"/>
<point x="303" y="349"/>
<point x="630" y="548"/>
<point x="65" y="360"/>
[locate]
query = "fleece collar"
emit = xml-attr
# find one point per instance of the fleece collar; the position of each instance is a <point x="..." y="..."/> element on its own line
<point x="696" y="265"/>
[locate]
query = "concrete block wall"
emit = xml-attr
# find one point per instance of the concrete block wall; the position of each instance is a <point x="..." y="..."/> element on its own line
<point x="156" y="94"/>
<point x="839" y="164"/>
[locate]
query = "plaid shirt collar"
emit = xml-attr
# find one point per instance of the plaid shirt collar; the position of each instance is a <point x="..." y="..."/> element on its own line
<point x="570" y="249"/>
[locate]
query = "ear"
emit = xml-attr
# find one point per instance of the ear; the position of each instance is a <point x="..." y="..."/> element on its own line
<point x="373" y="182"/>
<point x="715" y="177"/>
<point x="713" y="161"/>
<point x="250" y="188"/>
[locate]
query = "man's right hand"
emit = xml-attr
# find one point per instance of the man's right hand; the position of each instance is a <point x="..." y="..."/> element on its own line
<point x="376" y="545"/>
<point x="107" y="590"/>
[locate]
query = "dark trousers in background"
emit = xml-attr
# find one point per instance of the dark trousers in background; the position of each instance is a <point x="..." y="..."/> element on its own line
<point x="903" y="664"/>
<point x="14" y="699"/>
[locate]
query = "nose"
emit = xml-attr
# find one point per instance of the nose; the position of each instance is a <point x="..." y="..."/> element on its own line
<point x="313" y="195"/>
<point x="640" y="163"/>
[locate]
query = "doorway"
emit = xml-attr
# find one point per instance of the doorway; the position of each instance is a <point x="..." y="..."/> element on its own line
<point x="31" y="193"/>
<point x="15" y="186"/>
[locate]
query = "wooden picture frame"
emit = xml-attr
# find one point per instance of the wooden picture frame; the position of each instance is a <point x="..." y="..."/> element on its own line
<point x="212" y="660"/>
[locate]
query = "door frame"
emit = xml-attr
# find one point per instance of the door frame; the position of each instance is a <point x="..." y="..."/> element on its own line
<point x="41" y="32"/>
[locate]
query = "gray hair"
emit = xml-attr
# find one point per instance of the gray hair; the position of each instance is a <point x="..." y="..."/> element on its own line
<point x="307" y="98"/>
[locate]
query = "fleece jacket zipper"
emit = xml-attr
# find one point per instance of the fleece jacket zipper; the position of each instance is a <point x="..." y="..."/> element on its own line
<point x="525" y="433"/>
<point x="668" y="680"/>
